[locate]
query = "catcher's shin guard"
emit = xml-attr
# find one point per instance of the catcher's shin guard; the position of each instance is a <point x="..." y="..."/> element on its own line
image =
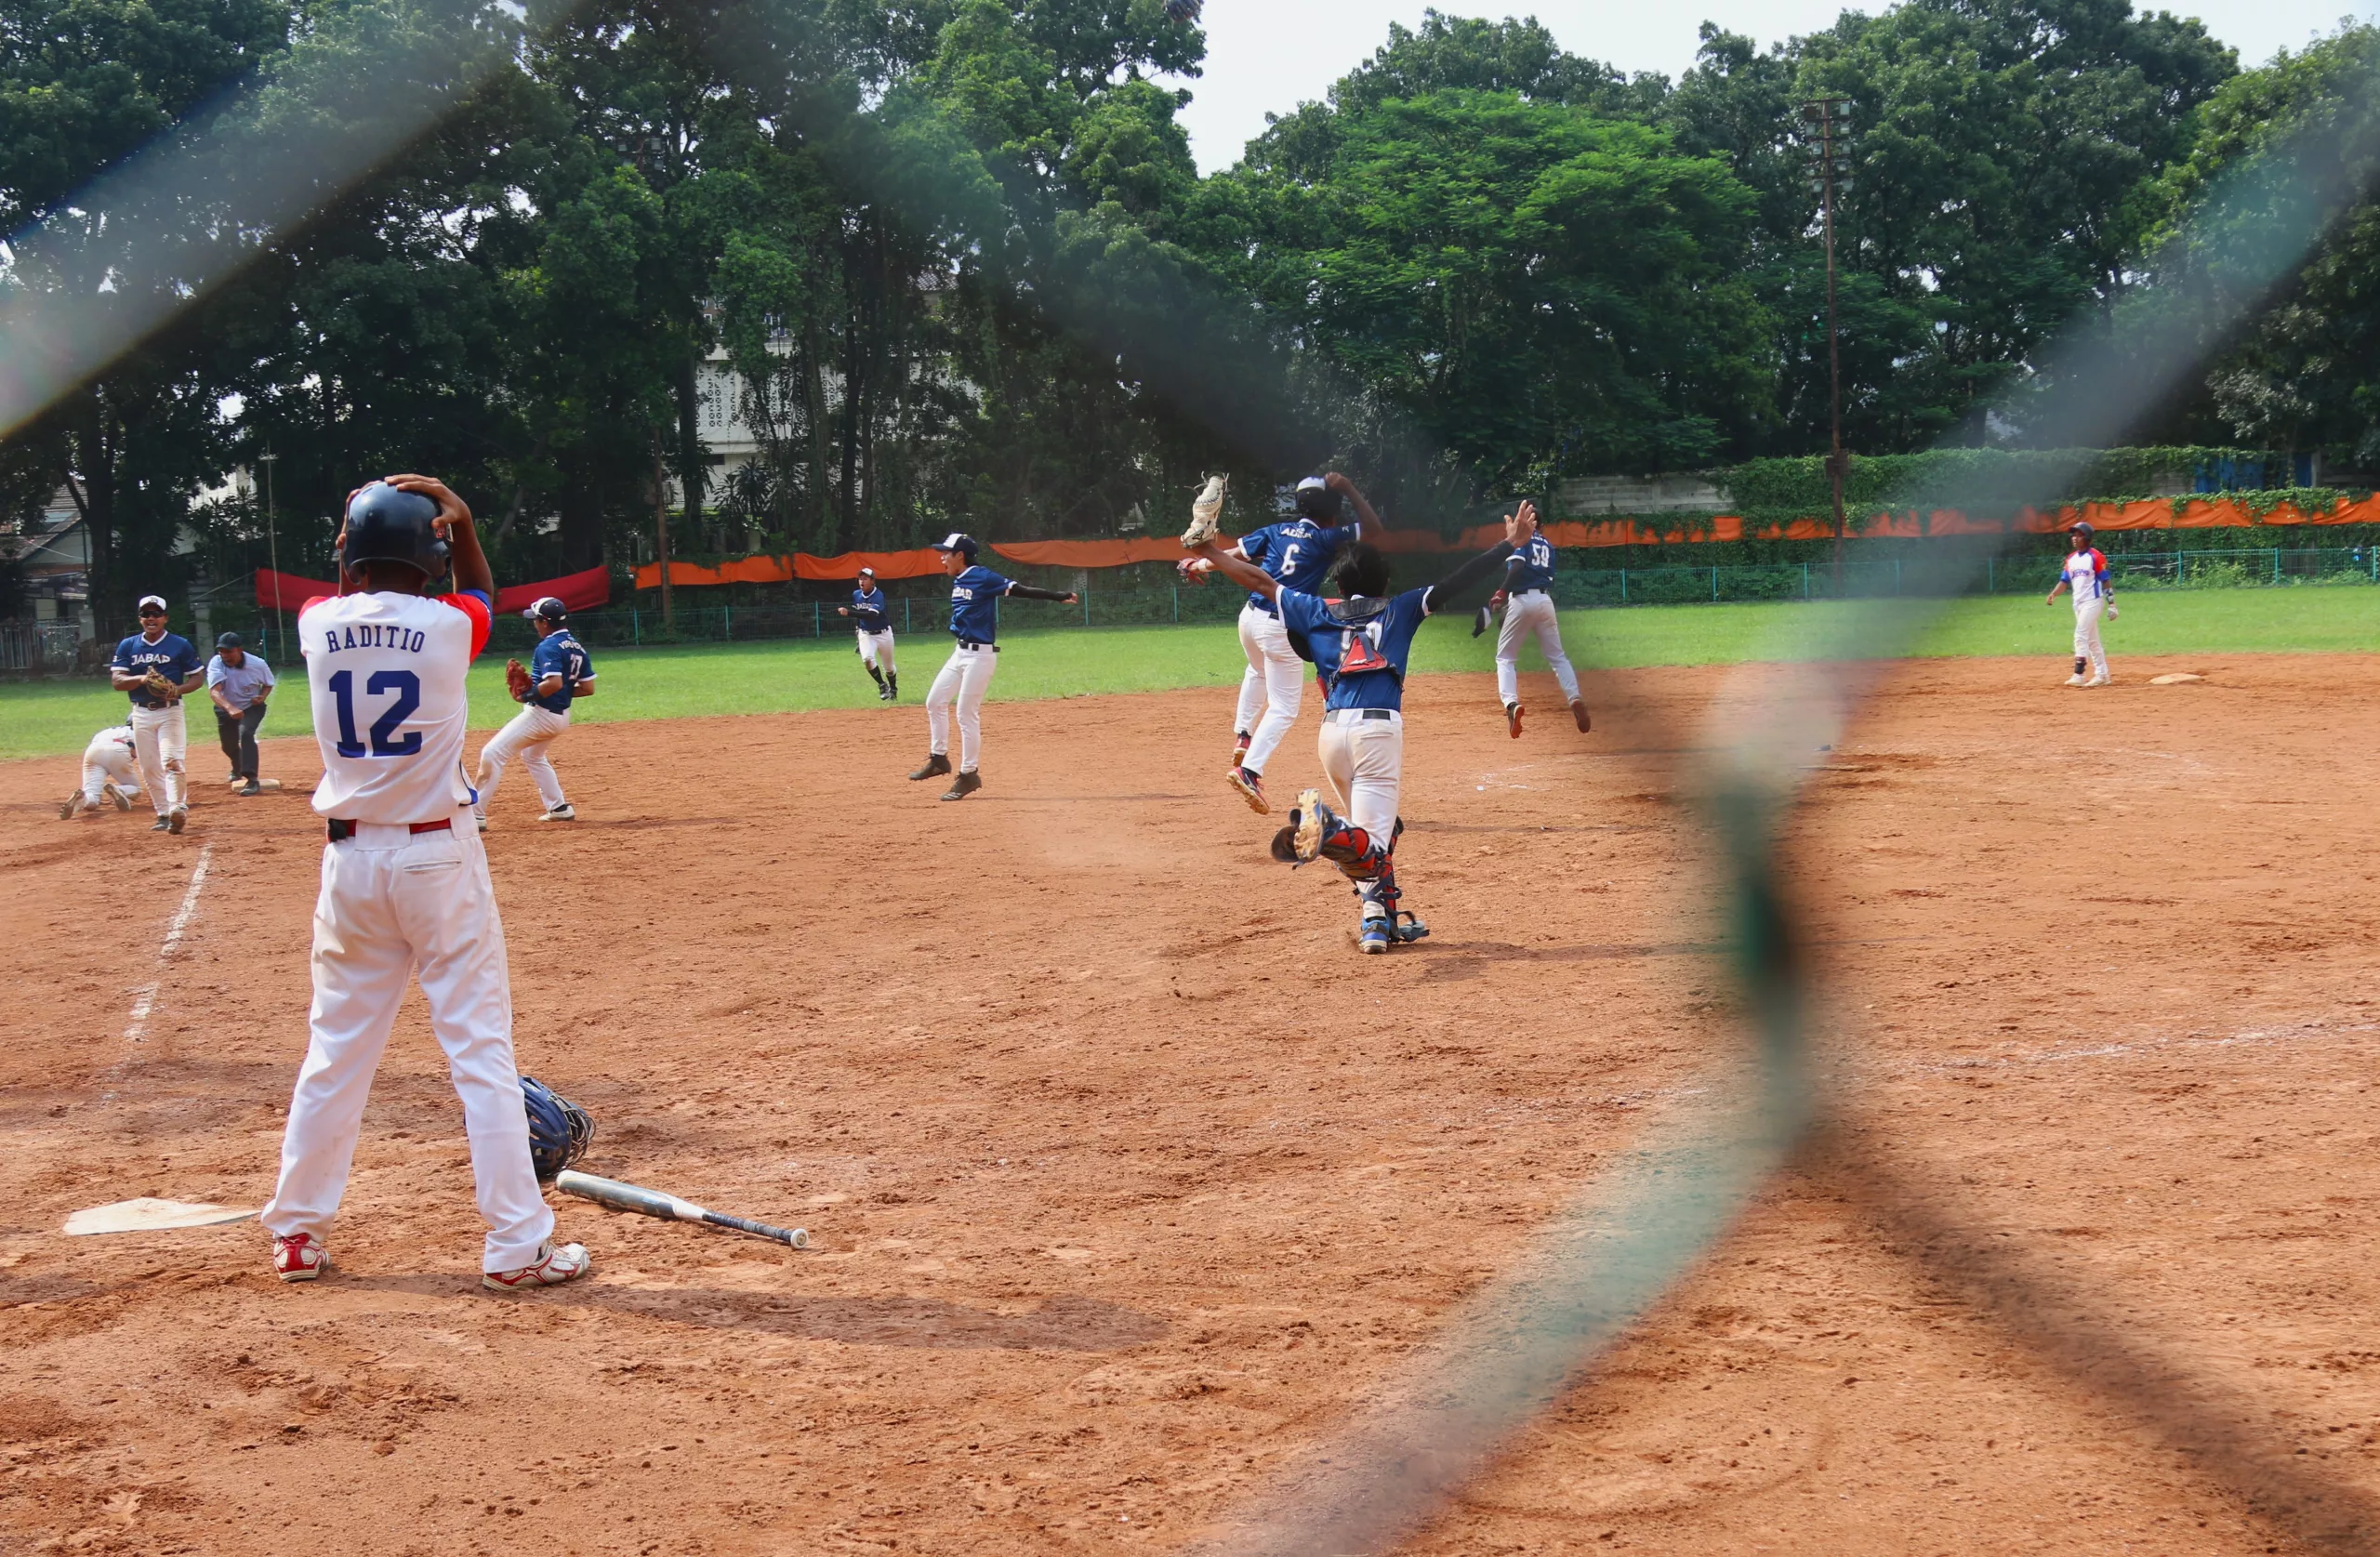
<point x="1318" y="833"/>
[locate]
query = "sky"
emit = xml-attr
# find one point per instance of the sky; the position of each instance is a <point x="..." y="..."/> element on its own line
<point x="1270" y="55"/>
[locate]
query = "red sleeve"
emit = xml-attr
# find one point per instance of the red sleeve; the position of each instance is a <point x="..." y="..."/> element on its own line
<point x="470" y="605"/>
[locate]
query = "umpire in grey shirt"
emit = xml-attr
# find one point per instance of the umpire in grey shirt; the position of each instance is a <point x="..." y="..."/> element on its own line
<point x="239" y="683"/>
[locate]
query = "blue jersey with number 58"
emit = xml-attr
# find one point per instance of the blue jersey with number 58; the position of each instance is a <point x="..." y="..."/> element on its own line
<point x="1297" y="553"/>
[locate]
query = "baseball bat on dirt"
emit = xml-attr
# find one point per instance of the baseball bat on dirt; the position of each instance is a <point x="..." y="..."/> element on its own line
<point x="668" y="1207"/>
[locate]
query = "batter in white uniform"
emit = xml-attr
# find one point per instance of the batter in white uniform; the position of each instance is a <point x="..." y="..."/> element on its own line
<point x="404" y="883"/>
<point x="110" y="772"/>
<point x="2095" y="596"/>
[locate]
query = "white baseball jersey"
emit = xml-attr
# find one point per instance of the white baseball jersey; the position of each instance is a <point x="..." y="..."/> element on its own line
<point x="2086" y="573"/>
<point x="386" y="671"/>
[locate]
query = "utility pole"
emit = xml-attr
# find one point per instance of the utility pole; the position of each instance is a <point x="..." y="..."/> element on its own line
<point x="661" y="533"/>
<point x="272" y="549"/>
<point x="1828" y="174"/>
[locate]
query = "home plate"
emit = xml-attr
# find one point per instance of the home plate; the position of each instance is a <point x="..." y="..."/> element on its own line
<point x="2175" y="679"/>
<point x="148" y="1214"/>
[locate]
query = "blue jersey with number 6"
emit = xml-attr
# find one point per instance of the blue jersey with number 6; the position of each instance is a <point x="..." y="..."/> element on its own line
<point x="1297" y="552"/>
<point x="386" y="675"/>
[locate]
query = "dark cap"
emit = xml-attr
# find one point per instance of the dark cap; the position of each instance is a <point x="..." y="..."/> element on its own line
<point x="961" y="543"/>
<point x="549" y="609"/>
<point x="230" y="640"/>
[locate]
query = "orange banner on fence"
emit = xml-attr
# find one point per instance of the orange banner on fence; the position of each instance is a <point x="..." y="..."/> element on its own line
<point x="2147" y="513"/>
<point x="578" y="591"/>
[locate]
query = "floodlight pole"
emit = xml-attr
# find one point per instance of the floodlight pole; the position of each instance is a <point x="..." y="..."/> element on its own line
<point x="1837" y="462"/>
<point x="273" y="550"/>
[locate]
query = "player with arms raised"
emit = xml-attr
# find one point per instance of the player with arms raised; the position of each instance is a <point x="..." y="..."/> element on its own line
<point x="1359" y="644"/>
<point x="404" y="883"/>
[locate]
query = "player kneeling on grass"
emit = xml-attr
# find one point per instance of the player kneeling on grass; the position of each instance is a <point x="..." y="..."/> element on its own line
<point x="558" y="672"/>
<point x="975" y="594"/>
<point x="2094" y="594"/>
<point x="111" y="771"/>
<point x="404" y="885"/>
<point x="1359" y="644"/>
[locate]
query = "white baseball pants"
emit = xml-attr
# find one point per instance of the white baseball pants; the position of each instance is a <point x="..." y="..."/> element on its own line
<point x="162" y="740"/>
<point x="395" y="903"/>
<point x="526" y="736"/>
<point x="1365" y="759"/>
<point x="2086" y="635"/>
<point x="964" y="678"/>
<point x="1523" y="615"/>
<point x="876" y="649"/>
<point x="106" y="762"/>
<point x="1273" y="688"/>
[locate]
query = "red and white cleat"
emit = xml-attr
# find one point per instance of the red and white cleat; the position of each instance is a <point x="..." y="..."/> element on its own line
<point x="299" y="1257"/>
<point x="1240" y="744"/>
<point x="1251" y="789"/>
<point x="551" y="1268"/>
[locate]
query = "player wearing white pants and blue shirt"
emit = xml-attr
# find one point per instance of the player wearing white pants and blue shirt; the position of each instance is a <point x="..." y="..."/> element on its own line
<point x="872" y="622"/>
<point x="560" y="671"/>
<point x="975" y="595"/>
<point x="160" y="737"/>
<point x="110" y="772"/>
<point x="1360" y="645"/>
<point x="1528" y="600"/>
<point x="1297" y="554"/>
<point x="404" y="882"/>
<point x="2085" y="573"/>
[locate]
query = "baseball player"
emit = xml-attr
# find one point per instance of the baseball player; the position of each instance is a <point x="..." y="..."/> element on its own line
<point x="404" y="886"/>
<point x="1297" y="553"/>
<point x="157" y="668"/>
<point x="1528" y="602"/>
<point x="2095" y="594"/>
<point x="975" y="594"/>
<point x="558" y="672"/>
<point x="1359" y="644"/>
<point x="873" y="622"/>
<point x="111" y="771"/>
<point x="238" y="682"/>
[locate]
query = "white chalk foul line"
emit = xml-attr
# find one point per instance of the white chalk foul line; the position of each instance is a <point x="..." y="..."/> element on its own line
<point x="145" y="1001"/>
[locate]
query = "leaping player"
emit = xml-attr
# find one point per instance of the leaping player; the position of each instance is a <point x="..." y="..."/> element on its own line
<point x="2085" y="573"/>
<point x="1360" y="645"/>
<point x="1528" y="600"/>
<point x="975" y="595"/>
<point x="872" y="620"/>
<point x="1297" y="554"/>
<point x="404" y="883"/>
<point x="111" y="771"/>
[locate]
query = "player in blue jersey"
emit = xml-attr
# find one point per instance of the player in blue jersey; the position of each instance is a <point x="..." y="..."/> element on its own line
<point x="1359" y="644"/>
<point x="1528" y="600"/>
<point x="156" y="668"/>
<point x="1297" y="553"/>
<point x="872" y="620"/>
<point x="559" y="672"/>
<point x="975" y="594"/>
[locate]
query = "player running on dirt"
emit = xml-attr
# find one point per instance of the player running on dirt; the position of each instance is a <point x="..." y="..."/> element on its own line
<point x="404" y="882"/>
<point x="872" y="623"/>
<point x="1359" y="644"/>
<point x="1298" y="553"/>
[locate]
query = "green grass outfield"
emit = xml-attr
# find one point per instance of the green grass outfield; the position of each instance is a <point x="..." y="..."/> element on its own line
<point x="43" y="718"/>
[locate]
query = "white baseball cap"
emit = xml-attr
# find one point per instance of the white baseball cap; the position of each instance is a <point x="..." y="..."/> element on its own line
<point x="867" y="573"/>
<point x="148" y="601"/>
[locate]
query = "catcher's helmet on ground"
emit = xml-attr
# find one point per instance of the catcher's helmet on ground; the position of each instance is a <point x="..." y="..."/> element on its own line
<point x="559" y="1129"/>
<point x="387" y="524"/>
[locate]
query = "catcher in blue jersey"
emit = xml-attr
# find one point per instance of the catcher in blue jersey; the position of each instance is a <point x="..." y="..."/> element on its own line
<point x="1359" y="644"/>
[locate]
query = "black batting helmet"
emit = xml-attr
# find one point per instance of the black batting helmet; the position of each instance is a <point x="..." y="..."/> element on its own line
<point x="387" y="524"/>
<point x="2082" y="528"/>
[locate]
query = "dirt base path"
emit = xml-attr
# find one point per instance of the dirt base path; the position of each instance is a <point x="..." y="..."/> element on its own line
<point x="1127" y="1174"/>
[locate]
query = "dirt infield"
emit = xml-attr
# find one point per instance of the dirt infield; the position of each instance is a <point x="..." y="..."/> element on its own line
<point x="1128" y="1176"/>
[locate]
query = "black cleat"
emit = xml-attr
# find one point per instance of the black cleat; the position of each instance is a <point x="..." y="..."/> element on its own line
<point x="936" y="763"/>
<point x="252" y="787"/>
<point x="161" y="826"/>
<point x="963" y="785"/>
<point x="175" y="818"/>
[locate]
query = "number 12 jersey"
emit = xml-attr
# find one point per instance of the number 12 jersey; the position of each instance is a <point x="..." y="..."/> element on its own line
<point x="386" y="676"/>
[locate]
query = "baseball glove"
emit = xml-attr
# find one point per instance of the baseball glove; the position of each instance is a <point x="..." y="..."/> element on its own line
<point x="516" y="678"/>
<point x="158" y="687"/>
<point x="1206" y="513"/>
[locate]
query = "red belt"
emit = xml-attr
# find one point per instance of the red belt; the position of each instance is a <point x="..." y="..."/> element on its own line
<point x="341" y="829"/>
